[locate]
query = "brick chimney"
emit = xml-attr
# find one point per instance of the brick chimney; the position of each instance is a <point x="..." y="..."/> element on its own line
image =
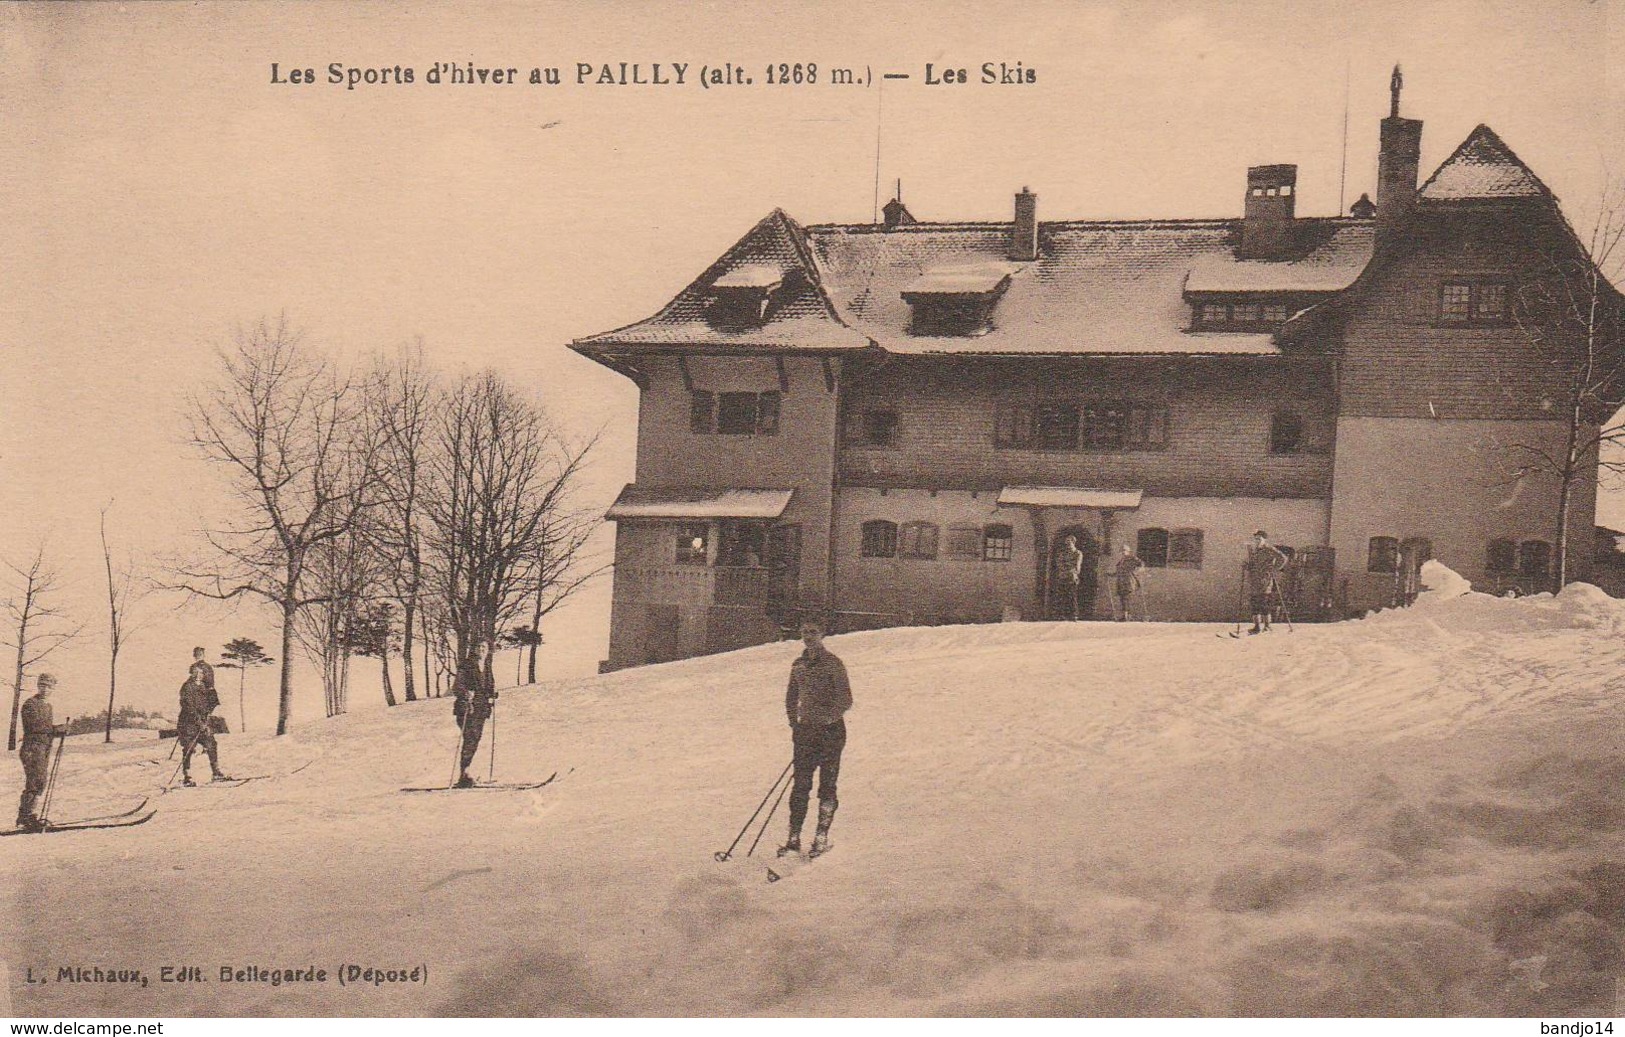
<point x="1272" y="199"/>
<point x="1397" y="164"/>
<point x="1024" y="232"/>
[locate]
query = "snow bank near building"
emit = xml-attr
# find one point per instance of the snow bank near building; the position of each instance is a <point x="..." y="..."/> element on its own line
<point x="1416" y="814"/>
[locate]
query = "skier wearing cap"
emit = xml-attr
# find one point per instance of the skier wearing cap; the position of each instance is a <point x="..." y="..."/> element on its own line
<point x="816" y="703"/>
<point x="1264" y="565"/>
<point x="193" y="728"/>
<point x="35" y="752"/>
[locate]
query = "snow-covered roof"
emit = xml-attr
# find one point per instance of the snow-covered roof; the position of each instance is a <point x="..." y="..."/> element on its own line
<point x="1330" y="265"/>
<point x="1068" y="497"/>
<point x="751" y="275"/>
<point x="1483" y="167"/>
<point x="967" y="280"/>
<point x="663" y="502"/>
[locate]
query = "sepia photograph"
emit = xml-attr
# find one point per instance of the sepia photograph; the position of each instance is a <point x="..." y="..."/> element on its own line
<point x="792" y="510"/>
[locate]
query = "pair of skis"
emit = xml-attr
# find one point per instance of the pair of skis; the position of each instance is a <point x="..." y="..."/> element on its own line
<point x="136" y="815"/>
<point x="487" y="786"/>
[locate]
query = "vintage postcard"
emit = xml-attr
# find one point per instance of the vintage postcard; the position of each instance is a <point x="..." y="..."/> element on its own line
<point x="887" y="509"/>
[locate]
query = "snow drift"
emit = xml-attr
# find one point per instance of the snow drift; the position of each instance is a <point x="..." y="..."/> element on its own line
<point x="1414" y="814"/>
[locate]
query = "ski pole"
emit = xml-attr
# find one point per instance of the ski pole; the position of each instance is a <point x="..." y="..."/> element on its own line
<point x="457" y="753"/>
<point x="50" y="777"/>
<point x="722" y="855"/>
<point x="190" y="746"/>
<point x="769" y="818"/>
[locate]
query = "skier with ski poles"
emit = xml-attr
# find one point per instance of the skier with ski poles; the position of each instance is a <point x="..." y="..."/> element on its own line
<point x="1127" y="581"/>
<point x="815" y="702"/>
<point x="475" y="701"/>
<point x="35" y="752"/>
<point x="195" y="724"/>
<point x="1263" y="568"/>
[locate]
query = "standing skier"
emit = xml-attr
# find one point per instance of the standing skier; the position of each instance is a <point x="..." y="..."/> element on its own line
<point x="1264" y="565"/>
<point x="476" y="695"/>
<point x="38" y="730"/>
<point x="816" y="703"/>
<point x="1127" y="580"/>
<point x="1069" y="571"/>
<point x="194" y="727"/>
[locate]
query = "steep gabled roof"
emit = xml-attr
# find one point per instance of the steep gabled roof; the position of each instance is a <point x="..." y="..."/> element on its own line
<point x="1483" y="168"/>
<point x="801" y="316"/>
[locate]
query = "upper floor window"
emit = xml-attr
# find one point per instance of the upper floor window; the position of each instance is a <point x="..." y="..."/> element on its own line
<point x="1382" y="555"/>
<point x="734" y="413"/>
<point x="1107" y="425"/>
<point x="880" y="426"/>
<point x="1473" y="302"/>
<point x="917" y="540"/>
<point x="1240" y="314"/>
<point x="964" y="541"/>
<point x="997" y="541"/>
<point x="879" y="539"/>
<point x="691" y="543"/>
<point x="1286" y="433"/>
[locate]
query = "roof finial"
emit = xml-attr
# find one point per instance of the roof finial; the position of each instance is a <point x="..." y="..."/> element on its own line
<point x="1395" y="84"/>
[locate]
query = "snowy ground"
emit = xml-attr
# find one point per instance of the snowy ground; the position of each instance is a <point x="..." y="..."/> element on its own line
<point x="1415" y="814"/>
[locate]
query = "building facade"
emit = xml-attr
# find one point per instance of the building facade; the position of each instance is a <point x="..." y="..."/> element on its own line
<point x="902" y="422"/>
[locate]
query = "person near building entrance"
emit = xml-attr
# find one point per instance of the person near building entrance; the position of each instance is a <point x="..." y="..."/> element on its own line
<point x="1264" y="565"/>
<point x="1068" y="572"/>
<point x="1126" y="582"/>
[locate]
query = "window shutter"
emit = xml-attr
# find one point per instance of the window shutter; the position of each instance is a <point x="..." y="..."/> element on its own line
<point x="702" y="413"/>
<point x="767" y="414"/>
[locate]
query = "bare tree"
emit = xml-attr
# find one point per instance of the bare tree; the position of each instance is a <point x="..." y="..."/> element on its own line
<point x="496" y="503"/>
<point x="121" y="595"/>
<point x="36" y="624"/>
<point x="1571" y="312"/>
<point x="339" y="579"/>
<point x="287" y="430"/>
<point x="399" y="400"/>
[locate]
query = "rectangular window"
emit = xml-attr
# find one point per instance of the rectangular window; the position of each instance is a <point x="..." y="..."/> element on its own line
<point x="1013" y="425"/>
<point x="1244" y="313"/>
<point x="880" y="427"/>
<point x="691" y="540"/>
<point x="1057" y="426"/>
<point x="1474" y="302"/>
<point x="741" y="544"/>
<point x="964" y="541"/>
<point x="1456" y="303"/>
<point x="1534" y="558"/>
<point x="997" y="542"/>
<point x="917" y="540"/>
<point x="736" y="413"/>
<point x="1185" y="549"/>
<point x="1215" y="313"/>
<point x="1147" y="425"/>
<point x="1152" y="547"/>
<point x="702" y="413"/>
<point x="879" y="539"/>
<point x="1105" y="426"/>
<point x="1274" y="313"/>
<point x="1502" y="556"/>
<point x="1382" y="555"/>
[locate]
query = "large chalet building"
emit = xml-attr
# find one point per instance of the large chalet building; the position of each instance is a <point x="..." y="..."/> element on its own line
<point x="898" y="423"/>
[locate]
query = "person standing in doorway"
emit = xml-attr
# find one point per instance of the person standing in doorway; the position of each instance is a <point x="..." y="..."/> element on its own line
<point x="1068" y="573"/>
<point x="816" y="703"/>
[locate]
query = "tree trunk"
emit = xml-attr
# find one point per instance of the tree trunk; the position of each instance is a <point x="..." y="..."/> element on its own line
<point x="406" y="652"/>
<point x="284" y="709"/>
<point x="389" y="690"/>
<point x="242" y="709"/>
<point x="112" y="689"/>
<point x="17" y="685"/>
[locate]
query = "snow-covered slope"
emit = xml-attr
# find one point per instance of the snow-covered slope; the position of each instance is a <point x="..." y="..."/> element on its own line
<point x="1418" y="813"/>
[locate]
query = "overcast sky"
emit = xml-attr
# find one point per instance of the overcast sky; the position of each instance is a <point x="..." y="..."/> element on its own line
<point x="158" y="188"/>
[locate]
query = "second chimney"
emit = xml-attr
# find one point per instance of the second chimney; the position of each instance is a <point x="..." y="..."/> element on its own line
<point x="1272" y="199"/>
<point x="1397" y="166"/>
<point x="1024" y="232"/>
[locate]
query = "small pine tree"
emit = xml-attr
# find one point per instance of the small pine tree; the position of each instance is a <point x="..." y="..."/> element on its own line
<point x="239" y="655"/>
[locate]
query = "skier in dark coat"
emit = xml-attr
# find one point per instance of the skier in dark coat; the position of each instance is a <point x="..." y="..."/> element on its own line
<point x="35" y="752"/>
<point x="194" y="727"/>
<point x="816" y="703"/>
<point x="1264" y="565"/>
<point x="476" y="696"/>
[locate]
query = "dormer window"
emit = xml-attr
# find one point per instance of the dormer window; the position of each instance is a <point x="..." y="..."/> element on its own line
<point x="956" y="302"/>
<point x="1243" y="314"/>
<point x="742" y="297"/>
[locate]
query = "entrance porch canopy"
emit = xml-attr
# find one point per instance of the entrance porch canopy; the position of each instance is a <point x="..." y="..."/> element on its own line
<point x="1068" y="497"/>
<point x="683" y="502"/>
